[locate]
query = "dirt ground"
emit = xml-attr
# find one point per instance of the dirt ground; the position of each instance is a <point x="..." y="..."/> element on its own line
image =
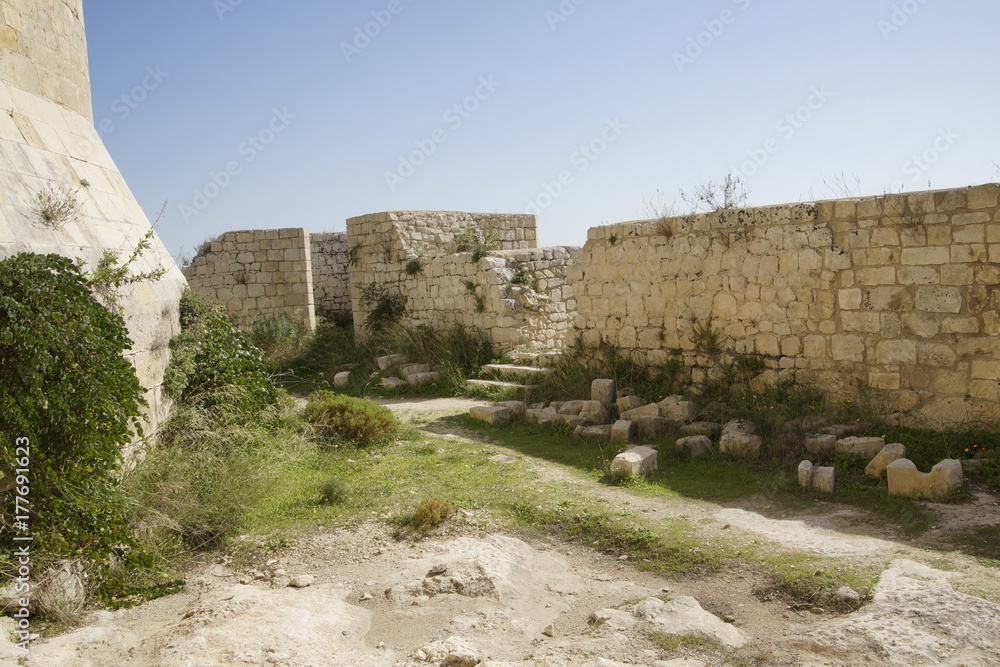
<point x="468" y="596"/>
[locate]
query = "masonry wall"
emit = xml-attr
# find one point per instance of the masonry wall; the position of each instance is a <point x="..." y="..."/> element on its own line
<point x="258" y="274"/>
<point x="48" y="144"/>
<point x="331" y="278"/>
<point x="900" y="293"/>
<point x="517" y="294"/>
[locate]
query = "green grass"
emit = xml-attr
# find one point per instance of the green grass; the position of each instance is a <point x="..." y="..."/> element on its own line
<point x="980" y="541"/>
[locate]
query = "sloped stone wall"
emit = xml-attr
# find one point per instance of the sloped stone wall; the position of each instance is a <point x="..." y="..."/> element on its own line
<point x="899" y="292"/>
<point x="331" y="278"/>
<point x="258" y="274"/>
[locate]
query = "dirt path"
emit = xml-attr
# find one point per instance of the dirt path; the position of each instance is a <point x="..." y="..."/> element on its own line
<point x="362" y="598"/>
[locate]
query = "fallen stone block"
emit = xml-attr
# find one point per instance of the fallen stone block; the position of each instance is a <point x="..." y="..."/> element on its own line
<point x="571" y="407"/>
<point x="389" y="360"/>
<point x="865" y="447"/>
<point x="710" y="429"/>
<point x="888" y="454"/>
<point x="677" y="409"/>
<point x="341" y="380"/>
<point x="943" y="480"/>
<point x="651" y="410"/>
<point x="844" y="430"/>
<point x="601" y="432"/>
<point x="516" y="407"/>
<point x="740" y="444"/>
<point x="570" y="420"/>
<point x="650" y="428"/>
<point x="626" y="403"/>
<point x="821" y="478"/>
<point x="603" y="391"/>
<point x="623" y="430"/>
<point x="635" y="461"/>
<point x="804" y="425"/>
<point x="416" y="379"/>
<point x="555" y="405"/>
<point x="393" y="383"/>
<point x="739" y="426"/>
<point x="542" y="417"/>
<point x="406" y="370"/>
<point x="594" y="412"/>
<point x="694" y="446"/>
<point x="490" y="414"/>
<point x="450" y="652"/>
<point x="819" y="444"/>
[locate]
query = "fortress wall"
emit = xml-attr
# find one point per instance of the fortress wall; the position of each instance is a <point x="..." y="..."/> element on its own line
<point x="331" y="278"/>
<point x="897" y="292"/>
<point x="258" y="274"/>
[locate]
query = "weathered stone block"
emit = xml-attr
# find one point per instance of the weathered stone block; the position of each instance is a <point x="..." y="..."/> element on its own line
<point x="711" y="429"/>
<point x="865" y="447"/>
<point x="341" y="380"/>
<point x="939" y="299"/>
<point x="882" y="460"/>
<point x="389" y="360"/>
<point x="594" y="412"/>
<point x="623" y="430"/>
<point x="651" y="410"/>
<point x="627" y="403"/>
<point x="515" y="407"/>
<point x="541" y="416"/>
<point x="678" y="410"/>
<point x="806" y="474"/>
<point x="571" y="407"/>
<point x="651" y="428"/>
<point x="600" y="432"/>
<point x="694" y="446"/>
<point x="490" y="414"/>
<point x="740" y="444"/>
<point x="416" y="379"/>
<point x="819" y="478"/>
<point x="635" y="461"/>
<point x="943" y="480"/>
<point x="393" y="383"/>
<point x="603" y="391"/>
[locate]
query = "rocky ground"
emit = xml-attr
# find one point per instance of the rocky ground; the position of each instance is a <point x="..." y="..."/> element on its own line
<point x="469" y="596"/>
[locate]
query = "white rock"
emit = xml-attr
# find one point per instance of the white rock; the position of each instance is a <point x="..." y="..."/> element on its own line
<point x="685" y="616"/>
<point x="341" y="380"/>
<point x="819" y="444"/>
<point x="864" y="447"/>
<point x="302" y="581"/>
<point x="603" y="391"/>
<point x="943" y="480"/>
<point x="490" y="414"/>
<point x="623" y="431"/>
<point x="694" y="446"/>
<point x="635" y="461"/>
<point x="888" y="454"/>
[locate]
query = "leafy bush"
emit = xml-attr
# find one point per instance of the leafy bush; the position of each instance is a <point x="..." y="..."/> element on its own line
<point x="68" y="389"/>
<point x="428" y="514"/>
<point x="414" y="266"/>
<point x="336" y="418"/>
<point x="210" y="355"/>
<point x="387" y="309"/>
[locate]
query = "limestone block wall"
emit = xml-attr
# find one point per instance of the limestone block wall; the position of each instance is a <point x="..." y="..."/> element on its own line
<point x="898" y="292"/>
<point x="331" y="279"/>
<point x="48" y="144"/>
<point x="258" y="274"/>
<point x="517" y="294"/>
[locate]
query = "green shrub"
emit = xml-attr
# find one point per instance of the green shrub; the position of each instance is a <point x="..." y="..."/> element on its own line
<point x="336" y="418"/>
<point x="278" y="337"/>
<point x="210" y="355"/>
<point x="69" y="391"/>
<point x="427" y="515"/>
<point x="414" y="266"/>
<point x="387" y="309"/>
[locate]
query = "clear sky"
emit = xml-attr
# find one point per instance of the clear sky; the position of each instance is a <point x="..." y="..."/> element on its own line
<point x="244" y="114"/>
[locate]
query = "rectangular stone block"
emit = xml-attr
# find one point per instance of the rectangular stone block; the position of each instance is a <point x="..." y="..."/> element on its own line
<point x="939" y="299"/>
<point x="926" y="256"/>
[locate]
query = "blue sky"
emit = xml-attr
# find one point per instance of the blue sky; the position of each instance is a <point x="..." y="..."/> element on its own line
<point x="245" y="114"/>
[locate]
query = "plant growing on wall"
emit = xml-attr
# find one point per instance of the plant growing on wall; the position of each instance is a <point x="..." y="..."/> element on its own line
<point x="708" y="196"/>
<point x="480" y="245"/>
<point x="523" y="278"/>
<point x="386" y="308"/>
<point x="414" y="267"/>
<point x="110" y="276"/>
<point x="55" y="207"/>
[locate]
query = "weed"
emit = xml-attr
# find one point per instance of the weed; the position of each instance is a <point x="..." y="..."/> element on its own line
<point x="671" y="643"/>
<point x="613" y="239"/>
<point x="84" y="183"/>
<point x="731" y="193"/>
<point x="332" y="492"/>
<point x="55" y="207"/>
<point x="426" y="516"/>
<point x="354" y="256"/>
<point x="338" y="419"/>
<point x="386" y="308"/>
<point x="279" y="337"/>
<point x="470" y="286"/>
<point x="479" y="243"/>
<point x="706" y="339"/>
<point x="414" y="267"/>
<point x="523" y="278"/>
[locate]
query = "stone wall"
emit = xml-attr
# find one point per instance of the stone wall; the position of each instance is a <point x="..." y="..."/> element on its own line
<point x="331" y="278"/>
<point x="48" y="144"/>
<point x="517" y="294"/>
<point x="258" y="274"/>
<point x="899" y="292"/>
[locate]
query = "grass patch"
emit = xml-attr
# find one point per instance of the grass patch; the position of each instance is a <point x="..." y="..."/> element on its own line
<point x="670" y="644"/>
<point x="425" y="517"/>
<point x="980" y="541"/>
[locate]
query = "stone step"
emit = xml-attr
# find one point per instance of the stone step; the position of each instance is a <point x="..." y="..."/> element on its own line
<point x="511" y="369"/>
<point x="538" y="359"/>
<point x="501" y="385"/>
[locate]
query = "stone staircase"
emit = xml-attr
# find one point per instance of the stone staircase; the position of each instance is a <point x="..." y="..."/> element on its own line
<point x="531" y="366"/>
